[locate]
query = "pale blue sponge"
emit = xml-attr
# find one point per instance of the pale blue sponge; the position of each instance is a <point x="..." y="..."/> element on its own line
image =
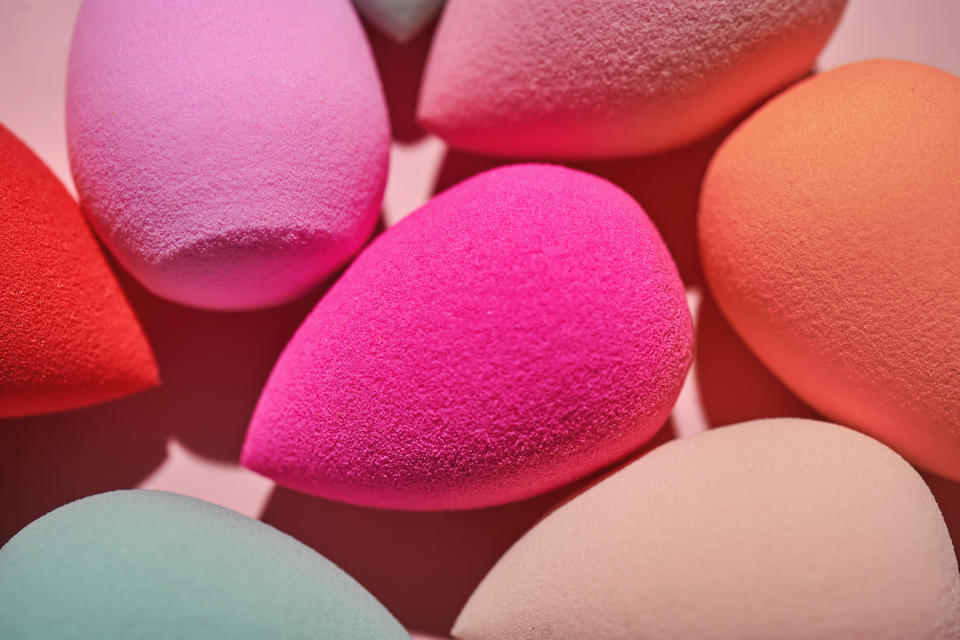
<point x="145" y="565"/>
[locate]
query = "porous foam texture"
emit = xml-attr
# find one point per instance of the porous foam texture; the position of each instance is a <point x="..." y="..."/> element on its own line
<point x="156" y="565"/>
<point x="521" y="330"/>
<point x="231" y="155"/>
<point x="68" y="338"/>
<point x="601" y="78"/>
<point x="785" y="528"/>
<point x="829" y="234"/>
<point x="401" y="20"/>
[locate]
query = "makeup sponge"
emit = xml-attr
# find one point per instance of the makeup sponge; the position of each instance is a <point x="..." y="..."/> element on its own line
<point x="521" y="330"/>
<point x="156" y="565"/>
<point x="784" y="528"/>
<point x="231" y="155"/>
<point x="401" y="20"/>
<point x="601" y="78"/>
<point x="830" y="237"/>
<point x="68" y="338"/>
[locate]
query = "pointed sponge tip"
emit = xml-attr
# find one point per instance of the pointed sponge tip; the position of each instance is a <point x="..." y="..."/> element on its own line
<point x="68" y="337"/>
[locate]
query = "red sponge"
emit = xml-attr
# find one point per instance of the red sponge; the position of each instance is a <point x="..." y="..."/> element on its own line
<point x="68" y="338"/>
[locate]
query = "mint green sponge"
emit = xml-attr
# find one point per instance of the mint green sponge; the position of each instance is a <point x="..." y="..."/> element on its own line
<point x="145" y="565"/>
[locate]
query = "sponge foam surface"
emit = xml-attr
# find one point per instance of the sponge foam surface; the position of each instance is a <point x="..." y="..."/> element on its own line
<point x="231" y="155"/>
<point x="783" y="528"/>
<point x="601" y="78"/>
<point x="156" y="565"/>
<point x="521" y="330"/>
<point x="68" y="338"/>
<point x="830" y="238"/>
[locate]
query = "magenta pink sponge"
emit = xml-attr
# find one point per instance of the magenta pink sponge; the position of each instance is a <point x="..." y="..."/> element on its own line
<point x="231" y="155"/>
<point x="521" y="330"/>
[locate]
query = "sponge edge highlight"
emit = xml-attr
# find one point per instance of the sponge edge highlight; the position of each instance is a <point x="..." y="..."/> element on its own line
<point x="68" y="338"/>
<point x="156" y="565"/>
<point x="601" y="78"/>
<point x="785" y="528"/>
<point x="829" y="235"/>
<point x="231" y="155"/>
<point x="521" y="330"/>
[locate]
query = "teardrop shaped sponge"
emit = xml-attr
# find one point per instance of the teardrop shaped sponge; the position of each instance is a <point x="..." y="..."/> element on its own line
<point x="602" y="78"/>
<point x="154" y="565"/>
<point x="830" y="237"/>
<point x="521" y="330"/>
<point x="784" y="528"/>
<point x="68" y="338"/>
<point x="231" y="155"/>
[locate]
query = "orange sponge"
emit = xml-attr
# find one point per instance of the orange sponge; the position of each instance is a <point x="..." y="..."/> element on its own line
<point x="830" y="236"/>
<point x="68" y="338"/>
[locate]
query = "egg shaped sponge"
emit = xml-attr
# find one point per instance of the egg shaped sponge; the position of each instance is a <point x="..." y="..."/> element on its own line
<point x="830" y="237"/>
<point x="156" y="565"/>
<point x="231" y="155"/>
<point x="401" y="20"/>
<point x="783" y="528"/>
<point x="521" y="330"/>
<point x="68" y="338"/>
<point x="601" y="78"/>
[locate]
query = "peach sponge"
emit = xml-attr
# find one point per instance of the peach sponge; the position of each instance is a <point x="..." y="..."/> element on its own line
<point x="601" y="78"/>
<point x="521" y="330"/>
<point x="68" y="338"/>
<point x="830" y="237"/>
<point x="231" y="155"/>
<point x="784" y="528"/>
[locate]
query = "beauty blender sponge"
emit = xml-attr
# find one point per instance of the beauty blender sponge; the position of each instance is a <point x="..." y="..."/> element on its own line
<point x="521" y="330"/>
<point x="157" y="565"/>
<point x="68" y="338"/>
<point x="783" y="528"/>
<point x="231" y="155"/>
<point x="401" y="20"/>
<point x="601" y="78"/>
<point x="830" y="238"/>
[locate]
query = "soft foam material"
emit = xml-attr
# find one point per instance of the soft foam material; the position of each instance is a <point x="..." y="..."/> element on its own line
<point x="521" y="330"/>
<point x="829" y="235"/>
<point x="68" y="338"/>
<point x="156" y="565"/>
<point x="600" y="78"/>
<point x="401" y="20"/>
<point x="789" y="529"/>
<point x="230" y="155"/>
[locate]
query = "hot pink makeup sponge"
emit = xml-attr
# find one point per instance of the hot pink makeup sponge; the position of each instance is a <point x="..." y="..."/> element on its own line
<point x="521" y="330"/>
<point x="600" y="78"/>
<point x="830" y="236"/>
<point x="231" y="155"/>
<point x="788" y="529"/>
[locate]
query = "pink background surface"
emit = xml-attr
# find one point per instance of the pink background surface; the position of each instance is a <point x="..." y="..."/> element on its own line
<point x="185" y="436"/>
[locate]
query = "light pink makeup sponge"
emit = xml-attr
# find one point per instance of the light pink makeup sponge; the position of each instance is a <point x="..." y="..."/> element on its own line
<point x="521" y="330"/>
<point x="600" y="78"/>
<point x="786" y="528"/>
<point x="231" y="155"/>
